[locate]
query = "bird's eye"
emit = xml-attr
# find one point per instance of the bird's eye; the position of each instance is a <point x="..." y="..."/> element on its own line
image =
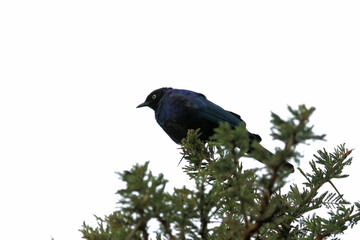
<point x="153" y="96"/>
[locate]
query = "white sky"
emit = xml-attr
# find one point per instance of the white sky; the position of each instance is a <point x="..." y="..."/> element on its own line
<point x="72" y="73"/>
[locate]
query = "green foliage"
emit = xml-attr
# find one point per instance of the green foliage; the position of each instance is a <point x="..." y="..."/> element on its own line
<point x="229" y="201"/>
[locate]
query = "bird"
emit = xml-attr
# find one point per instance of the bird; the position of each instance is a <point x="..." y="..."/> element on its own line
<point x="179" y="110"/>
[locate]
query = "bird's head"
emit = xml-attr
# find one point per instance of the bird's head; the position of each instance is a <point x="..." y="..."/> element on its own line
<point x="152" y="100"/>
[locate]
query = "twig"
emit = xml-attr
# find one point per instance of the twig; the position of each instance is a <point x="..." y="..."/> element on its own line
<point x="264" y="206"/>
<point x="335" y="189"/>
<point x="131" y="234"/>
<point x="323" y="235"/>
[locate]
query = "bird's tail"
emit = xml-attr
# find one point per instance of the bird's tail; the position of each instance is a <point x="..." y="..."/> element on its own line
<point x="260" y="153"/>
<point x="254" y="137"/>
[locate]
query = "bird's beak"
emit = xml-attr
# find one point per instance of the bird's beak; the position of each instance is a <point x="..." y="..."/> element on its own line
<point x="144" y="104"/>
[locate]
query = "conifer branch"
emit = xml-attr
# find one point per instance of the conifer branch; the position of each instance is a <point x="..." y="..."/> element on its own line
<point x="229" y="200"/>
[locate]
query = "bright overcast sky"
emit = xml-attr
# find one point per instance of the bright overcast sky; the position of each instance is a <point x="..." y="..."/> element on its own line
<point x="72" y="73"/>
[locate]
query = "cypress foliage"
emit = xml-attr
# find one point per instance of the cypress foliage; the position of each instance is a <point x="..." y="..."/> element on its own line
<point x="232" y="202"/>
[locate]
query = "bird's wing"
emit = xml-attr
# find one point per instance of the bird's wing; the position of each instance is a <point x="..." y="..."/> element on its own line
<point x="184" y="108"/>
<point x="180" y="103"/>
<point x="215" y="113"/>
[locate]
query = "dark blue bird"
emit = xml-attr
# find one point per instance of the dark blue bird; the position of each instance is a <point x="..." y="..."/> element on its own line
<point x="178" y="110"/>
